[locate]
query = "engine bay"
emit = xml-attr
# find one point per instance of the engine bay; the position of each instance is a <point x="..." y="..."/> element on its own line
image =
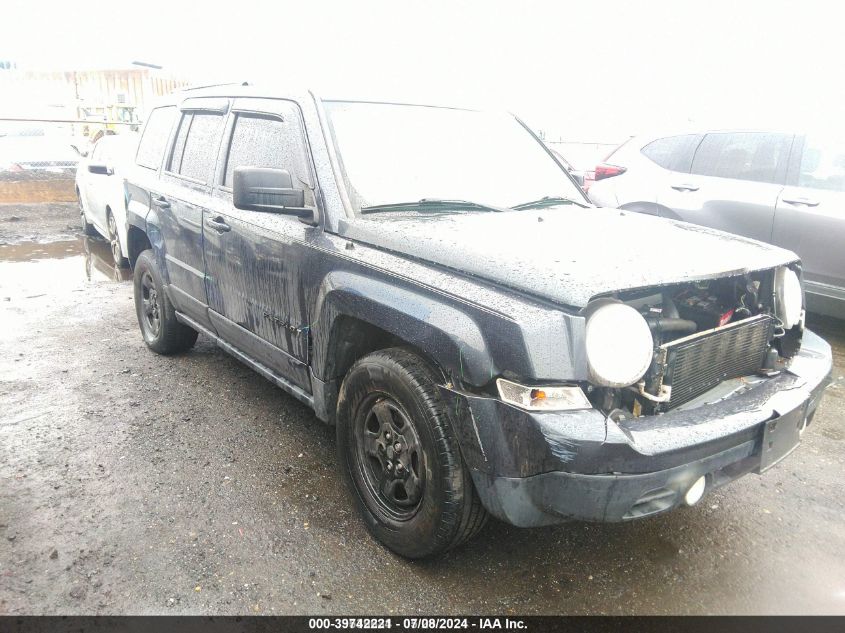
<point x="703" y="332"/>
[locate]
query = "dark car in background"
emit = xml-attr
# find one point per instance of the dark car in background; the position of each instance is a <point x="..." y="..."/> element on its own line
<point x="433" y="283"/>
<point x="784" y="188"/>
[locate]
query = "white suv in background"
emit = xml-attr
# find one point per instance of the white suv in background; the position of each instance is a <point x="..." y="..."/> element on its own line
<point x="784" y="188"/>
<point x="99" y="188"/>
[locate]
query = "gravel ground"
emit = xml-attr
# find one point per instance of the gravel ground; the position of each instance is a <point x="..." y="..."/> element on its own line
<point x="139" y="484"/>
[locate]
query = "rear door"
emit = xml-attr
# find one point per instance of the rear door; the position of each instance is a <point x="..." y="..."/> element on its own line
<point x="734" y="182"/>
<point x="185" y="190"/>
<point x="143" y="176"/>
<point x="810" y="219"/>
<point x="255" y="260"/>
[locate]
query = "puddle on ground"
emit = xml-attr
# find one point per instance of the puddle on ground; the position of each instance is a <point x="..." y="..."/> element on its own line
<point x="31" y="269"/>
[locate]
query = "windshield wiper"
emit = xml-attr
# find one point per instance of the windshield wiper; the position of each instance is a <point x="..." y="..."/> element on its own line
<point x="549" y="201"/>
<point x="431" y="204"/>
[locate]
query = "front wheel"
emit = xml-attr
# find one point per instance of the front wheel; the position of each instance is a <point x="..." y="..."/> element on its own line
<point x="163" y="332"/>
<point x="399" y="454"/>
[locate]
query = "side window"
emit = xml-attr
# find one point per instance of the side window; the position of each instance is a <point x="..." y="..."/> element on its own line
<point x="268" y="141"/>
<point x="673" y="152"/>
<point x="198" y="147"/>
<point x="822" y="164"/>
<point x="154" y="139"/>
<point x="744" y="156"/>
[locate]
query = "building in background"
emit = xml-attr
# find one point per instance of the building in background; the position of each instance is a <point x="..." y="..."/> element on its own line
<point x="107" y="98"/>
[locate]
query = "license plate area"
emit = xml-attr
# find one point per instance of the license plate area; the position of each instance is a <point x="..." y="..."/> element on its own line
<point x="781" y="436"/>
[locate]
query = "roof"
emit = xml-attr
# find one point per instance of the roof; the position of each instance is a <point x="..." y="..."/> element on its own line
<point x="272" y="91"/>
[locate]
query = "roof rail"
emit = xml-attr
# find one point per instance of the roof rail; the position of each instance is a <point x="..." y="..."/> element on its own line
<point x="228" y="83"/>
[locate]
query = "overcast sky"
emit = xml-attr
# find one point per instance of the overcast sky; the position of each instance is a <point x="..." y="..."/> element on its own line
<point x="584" y="71"/>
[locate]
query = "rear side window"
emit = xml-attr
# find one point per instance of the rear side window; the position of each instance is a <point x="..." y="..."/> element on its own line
<point x="823" y="164"/>
<point x="195" y="147"/>
<point x="673" y="152"/>
<point x="154" y="139"/>
<point x="759" y="157"/>
<point x="268" y="141"/>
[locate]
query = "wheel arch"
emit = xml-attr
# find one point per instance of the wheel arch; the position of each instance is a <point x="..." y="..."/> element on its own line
<point x="137" y="242"/>
<point x="356" y="314"/>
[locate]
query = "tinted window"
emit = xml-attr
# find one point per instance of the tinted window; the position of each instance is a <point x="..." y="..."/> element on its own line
<point x="673" y="152"/>
<point x="259" y="141"/>
<point x="201" y="144"/>
<point x="744" y="155"/>
<point x="154" y="140"/>
<point x="823" y="164"/>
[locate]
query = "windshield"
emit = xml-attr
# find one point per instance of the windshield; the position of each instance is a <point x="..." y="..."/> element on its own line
<point x="392" y="154"/>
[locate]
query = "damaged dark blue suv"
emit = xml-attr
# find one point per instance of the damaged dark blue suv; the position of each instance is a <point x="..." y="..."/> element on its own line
<point x="434" y="283"/>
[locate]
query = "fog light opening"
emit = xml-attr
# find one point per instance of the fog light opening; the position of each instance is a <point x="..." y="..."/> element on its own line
<point x="696" y="491"/>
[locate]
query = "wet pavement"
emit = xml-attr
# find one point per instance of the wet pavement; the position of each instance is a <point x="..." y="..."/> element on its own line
<point x="133" y="483"/>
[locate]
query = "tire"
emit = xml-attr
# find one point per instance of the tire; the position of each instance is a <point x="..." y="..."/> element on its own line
<point x="87" y="228"/>
<point x="162" y="332"/>
<point x="424" y="503"/>
<point x="114" y="242"/>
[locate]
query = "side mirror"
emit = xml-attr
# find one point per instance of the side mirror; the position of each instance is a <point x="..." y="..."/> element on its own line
<point x="100" y="168"/>
<point x="266" y="189"/>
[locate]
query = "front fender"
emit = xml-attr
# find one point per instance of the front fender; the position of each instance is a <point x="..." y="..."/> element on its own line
<point x="444" y="333"/>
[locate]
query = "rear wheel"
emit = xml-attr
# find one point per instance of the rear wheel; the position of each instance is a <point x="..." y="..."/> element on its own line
<point x="114" y="241"/>
<point x="400" y="456"/>
<point x="163" y="332"/>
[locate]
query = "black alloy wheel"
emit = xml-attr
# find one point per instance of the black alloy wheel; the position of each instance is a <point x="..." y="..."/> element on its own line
<point x="389" y="457"/>
<point x="151" y="306"/>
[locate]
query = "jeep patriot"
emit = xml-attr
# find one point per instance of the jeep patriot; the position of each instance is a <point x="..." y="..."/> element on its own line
<point x="433" y="283"/>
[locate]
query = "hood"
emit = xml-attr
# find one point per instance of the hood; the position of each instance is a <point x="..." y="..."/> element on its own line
<point x="568" y="254"/>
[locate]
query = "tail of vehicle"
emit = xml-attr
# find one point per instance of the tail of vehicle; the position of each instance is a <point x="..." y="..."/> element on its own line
<point x="605" y="169"/>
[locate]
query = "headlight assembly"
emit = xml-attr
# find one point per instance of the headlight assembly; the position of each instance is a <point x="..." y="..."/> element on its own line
<point x="547" y="398"/>
<point x="619" y="344"/>
<point x="789" y="300"/>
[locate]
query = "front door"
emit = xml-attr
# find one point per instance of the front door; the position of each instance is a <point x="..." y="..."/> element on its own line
<point x="255" y="261"/>
<point x="96" y="187"/>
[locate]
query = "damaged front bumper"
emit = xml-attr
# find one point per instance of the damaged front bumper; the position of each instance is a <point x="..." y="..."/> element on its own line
<point x="535" y="469"/>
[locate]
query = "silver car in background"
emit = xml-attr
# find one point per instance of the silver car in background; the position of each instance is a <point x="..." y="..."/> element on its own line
<point x="784" y="188"/>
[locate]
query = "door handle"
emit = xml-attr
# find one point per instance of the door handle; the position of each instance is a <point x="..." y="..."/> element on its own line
<point x="807" y="202"/>
<point x="218" y="224"/>
<point x="685" y="187"/>
<point x="161" y="202"/>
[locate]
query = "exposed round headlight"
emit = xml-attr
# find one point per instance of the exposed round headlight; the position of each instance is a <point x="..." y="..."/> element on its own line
<point x="619" y="345"/>
<point x="788" y="296"/>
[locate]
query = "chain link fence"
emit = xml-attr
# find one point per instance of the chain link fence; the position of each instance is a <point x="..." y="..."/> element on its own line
<point x="39" y="157"/>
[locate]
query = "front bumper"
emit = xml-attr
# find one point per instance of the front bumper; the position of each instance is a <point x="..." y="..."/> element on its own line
<point x="537" y="469"/>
